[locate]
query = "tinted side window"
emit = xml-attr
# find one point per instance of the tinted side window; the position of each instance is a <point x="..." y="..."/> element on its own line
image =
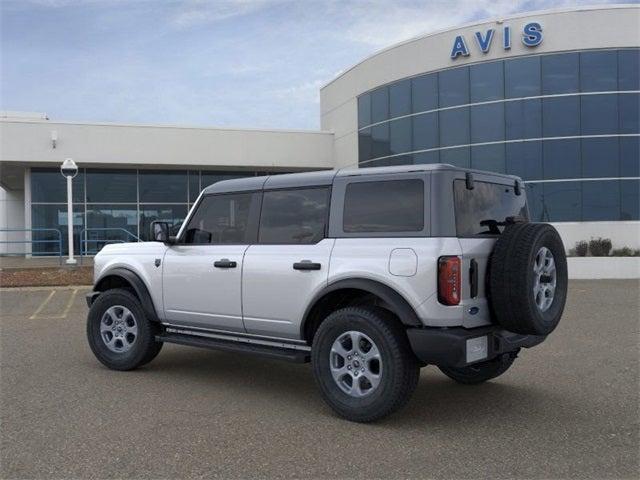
<point x="221" y="219"/>
<point x="479" y="210"/>
<point x="294" y="216"/>
<point x="384" y="206"/>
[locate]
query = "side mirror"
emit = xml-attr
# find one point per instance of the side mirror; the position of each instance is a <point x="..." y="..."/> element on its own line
<point x="160" y="231"/>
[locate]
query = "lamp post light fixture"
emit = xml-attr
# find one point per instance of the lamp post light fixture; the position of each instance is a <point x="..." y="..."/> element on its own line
<point x="69" y="169"/>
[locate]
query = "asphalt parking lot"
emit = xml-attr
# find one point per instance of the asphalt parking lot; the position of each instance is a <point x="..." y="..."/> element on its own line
<point x="567" y="409"/>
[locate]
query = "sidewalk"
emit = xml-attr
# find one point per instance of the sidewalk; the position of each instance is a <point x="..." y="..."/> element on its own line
<point x="40" y="262"/>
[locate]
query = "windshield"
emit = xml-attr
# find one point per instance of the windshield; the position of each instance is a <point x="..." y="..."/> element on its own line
<point x="485" y="209"/>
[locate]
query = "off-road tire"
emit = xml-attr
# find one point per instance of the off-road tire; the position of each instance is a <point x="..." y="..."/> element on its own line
<point x="512" y="278"/>
<point x="400" y="371"/>
<point x="145" y="348"/>
<point x="480" y="372"/>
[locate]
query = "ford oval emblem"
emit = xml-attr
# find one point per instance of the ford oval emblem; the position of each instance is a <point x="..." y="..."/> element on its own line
<point x="473" y="310"/>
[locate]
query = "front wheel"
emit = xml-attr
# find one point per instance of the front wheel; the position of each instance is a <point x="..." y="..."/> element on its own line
<point x="363" y="363"/>
<point x="120" y="334"/>
<point x="480" y="372"/>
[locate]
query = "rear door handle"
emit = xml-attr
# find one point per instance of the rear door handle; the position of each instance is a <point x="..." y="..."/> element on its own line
<point x="306" y="265"/>
<point x="225" y="263"/>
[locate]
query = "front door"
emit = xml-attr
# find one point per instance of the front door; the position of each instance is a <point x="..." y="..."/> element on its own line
<point x="202" y="273"/>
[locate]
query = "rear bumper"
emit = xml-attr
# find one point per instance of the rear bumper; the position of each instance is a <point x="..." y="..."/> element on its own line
<point x="459" y="347"/>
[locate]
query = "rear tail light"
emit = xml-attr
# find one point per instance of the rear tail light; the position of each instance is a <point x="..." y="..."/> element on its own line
<point x="449" y="280"/>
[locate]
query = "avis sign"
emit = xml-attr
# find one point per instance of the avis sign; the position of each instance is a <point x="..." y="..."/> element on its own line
<point x="531" y="37"/>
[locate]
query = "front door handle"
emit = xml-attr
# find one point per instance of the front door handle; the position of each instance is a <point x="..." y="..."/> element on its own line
<point x="306" y="265"/>
<point x="225" y="263"/>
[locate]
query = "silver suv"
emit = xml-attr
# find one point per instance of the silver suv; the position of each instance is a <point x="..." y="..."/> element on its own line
<point x="368" y="273"/>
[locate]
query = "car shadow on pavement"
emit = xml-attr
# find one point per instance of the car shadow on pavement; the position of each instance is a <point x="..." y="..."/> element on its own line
<point x="436" y="401"/>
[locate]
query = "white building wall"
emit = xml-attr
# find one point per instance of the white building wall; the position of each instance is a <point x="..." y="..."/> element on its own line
<point x="29" y="141"/>
<point x="11" y="217"/>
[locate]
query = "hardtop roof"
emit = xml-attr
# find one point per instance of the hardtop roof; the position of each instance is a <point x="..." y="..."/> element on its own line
<point x="326" y="177"/>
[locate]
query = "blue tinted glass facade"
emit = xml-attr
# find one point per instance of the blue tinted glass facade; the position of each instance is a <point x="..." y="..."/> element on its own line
<point x="568" y="124"/>
<point x="114" y="205"/>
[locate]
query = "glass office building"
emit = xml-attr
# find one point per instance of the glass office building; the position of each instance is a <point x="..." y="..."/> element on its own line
<point x="114" y="205"/>
<point x="567" y="123"/>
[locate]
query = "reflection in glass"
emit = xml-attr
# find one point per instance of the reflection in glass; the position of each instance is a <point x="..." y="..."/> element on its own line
<point x="400" y="98"/>
<point x="400" y="135"/>
<point x="453" y="86"/>
<point x="629" y="69"/>
<point x="487" y="81"/>
<point x="379" y="104"/>
<point x="561" y="202"/>
<point x="560" y="73"/>
<point x="112" y="186"/>
<point x="173" y="214"/>
<point x="425" y="131"/>
<point x="561" y="159"/>
<point x="629" y="113"/>
<point x="523" y="119"/>
<point x="459" y="157"/>
<point x="487" y="123"/>
<point x="561" y="116"/>
<point x="194" y="185"/>
<point x="488" y="157"/>
<point x="424" y="93"/>
<point x="454" y="127"/>
<point x="629" y="200"/>
<point x="54" y="216"/>
<point x="380" y="140"/>
<point x="426" y="157"/>
<point x="599" y="114"/>
<point x="364" y="110"/>
<point x="600" y="201"/>
<point x="49" y="186"/>
<point x="598" y="71"/>
<point x="364" y="144"/>
<point x="630" y="156"/>
<point x="163" y="186"/>
<point x="522" y="77"/>
<point x="524" y="159"/>
<point x="110" y="224"/>
<point x="600" y="157"/>
<point x="297" y="216"/>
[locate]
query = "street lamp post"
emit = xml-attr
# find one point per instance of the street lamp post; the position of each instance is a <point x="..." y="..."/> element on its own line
<point x="69" y="170"/>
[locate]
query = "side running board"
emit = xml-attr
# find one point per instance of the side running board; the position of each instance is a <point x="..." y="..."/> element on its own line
<point x="279" y="353"/>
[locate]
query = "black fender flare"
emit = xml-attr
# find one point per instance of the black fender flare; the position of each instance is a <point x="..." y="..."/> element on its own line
<point x="396" y="302"/>
<point x="140" y="288"/>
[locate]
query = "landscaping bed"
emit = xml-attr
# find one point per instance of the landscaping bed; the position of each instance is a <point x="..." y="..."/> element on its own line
<point x="46" y="276"/>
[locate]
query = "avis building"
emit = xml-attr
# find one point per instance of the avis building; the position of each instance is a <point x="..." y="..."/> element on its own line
<point x="553" y="97"/>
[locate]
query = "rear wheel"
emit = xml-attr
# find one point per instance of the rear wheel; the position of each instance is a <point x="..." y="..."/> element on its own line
<point x="363" y="363"/>
<point x="119" y="333"/>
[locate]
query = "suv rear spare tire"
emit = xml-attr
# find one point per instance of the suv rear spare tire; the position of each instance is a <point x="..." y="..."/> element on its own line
<point x="528" y="278"/>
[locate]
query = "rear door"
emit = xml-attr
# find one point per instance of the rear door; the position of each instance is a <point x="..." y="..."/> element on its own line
<point x="290" y="262"/>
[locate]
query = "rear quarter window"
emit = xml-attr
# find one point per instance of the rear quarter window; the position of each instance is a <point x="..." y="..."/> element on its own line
<point x="384" y="206"/>
<point x="484" y="210"/>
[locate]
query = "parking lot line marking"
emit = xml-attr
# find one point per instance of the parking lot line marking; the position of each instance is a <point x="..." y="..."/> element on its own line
<point x="72" y="297"/>
<point x="64" y="313"/>
<point x="42" y="305"/>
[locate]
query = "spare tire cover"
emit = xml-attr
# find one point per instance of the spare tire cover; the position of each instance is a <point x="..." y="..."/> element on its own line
<point x="528" y="278"/>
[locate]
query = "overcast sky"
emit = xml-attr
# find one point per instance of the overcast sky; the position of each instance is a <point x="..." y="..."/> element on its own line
<point x="243" y="63"/>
